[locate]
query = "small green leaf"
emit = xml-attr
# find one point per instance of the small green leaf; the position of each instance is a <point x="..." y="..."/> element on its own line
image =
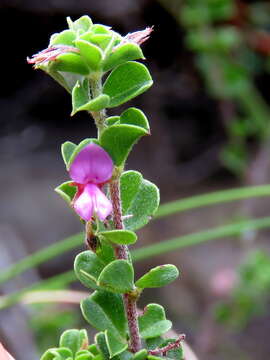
<point x="88" y="267"/>
<point x="119" y="139"/>
<point x="100" y="29"/>
<point x="158" y="276"/>
<point x="73" y="339"/>
<point x="153" y="322"/>
<point x="126" y="82"/>
<point x="105" y="252"/>
<point x="112" y="120"/>
<point x="66" y="191"/>
<point x="154" y="357"/>
<point x="67" y="149"/>
<point x="70" y="62"/>
<point x="93" y="349"/>
<point x="134" y="116"/>
<point x="115" y="346"/>
<point x="105" y="311"/>
<point x="57" y="354"/>
<point x="154" y="343"/>
<point x="83" y="23"/>
<point x="140" y="199"/>
<point x="101" y="40"/>
<point x="98" y="103"/>
<point x="122" y="54"/>
<point x="80" y="96"/>
<point x="84" y="355"/>
<point x="176" y="353"/>
<point x="140" y="355"/>
<point x="118" y="276"/>
<point x="102" y="344"/>
<point x="122" y="237"/>
<point x="91" y="53"/>
<point x="65" y="37"/>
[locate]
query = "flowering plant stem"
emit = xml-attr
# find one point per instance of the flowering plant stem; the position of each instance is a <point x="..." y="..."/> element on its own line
<point x="122" y="252"/>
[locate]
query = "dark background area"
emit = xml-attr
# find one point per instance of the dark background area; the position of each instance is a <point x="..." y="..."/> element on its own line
<point x="182" y="157"/>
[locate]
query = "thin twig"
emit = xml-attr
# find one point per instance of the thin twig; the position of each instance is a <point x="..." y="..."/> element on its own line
<point x="171" y="346"/>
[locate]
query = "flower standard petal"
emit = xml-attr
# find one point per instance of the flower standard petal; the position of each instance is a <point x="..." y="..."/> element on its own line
<point x="102" y="206"/>
<point x="83" y="205"/>
<point x="91" y="165"/>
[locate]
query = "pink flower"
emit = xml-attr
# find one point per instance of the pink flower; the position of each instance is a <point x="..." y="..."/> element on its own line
<point x="50" y="54"/>
<point x="90" y="170"/>
<point x="4" y="355"/>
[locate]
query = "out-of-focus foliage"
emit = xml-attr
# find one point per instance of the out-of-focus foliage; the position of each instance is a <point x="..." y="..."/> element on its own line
<point x="251" y="295"/>
<point x="232" y="47"/>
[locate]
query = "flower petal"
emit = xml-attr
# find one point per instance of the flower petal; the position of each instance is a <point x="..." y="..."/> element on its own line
<point x="92" y="164"/>
<point x="83" y="205"/>
<point x="4" y="355"/>
<point x="101" y="205"/>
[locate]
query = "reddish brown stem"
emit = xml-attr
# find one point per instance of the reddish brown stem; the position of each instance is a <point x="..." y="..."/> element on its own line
<point x="122" y="252"/>
<point x="165" y="349"/>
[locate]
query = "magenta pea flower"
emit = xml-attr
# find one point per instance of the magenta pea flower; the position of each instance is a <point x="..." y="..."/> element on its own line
<point x="90" y="170"/>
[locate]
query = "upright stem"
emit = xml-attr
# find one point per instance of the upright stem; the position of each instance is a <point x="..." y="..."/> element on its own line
<point x="96" y="90"/>
<point x="123" y="253"/>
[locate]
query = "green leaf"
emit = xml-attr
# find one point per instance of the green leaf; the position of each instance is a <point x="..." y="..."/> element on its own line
<point x="66" y="191"/>
<point x="154" y="343"/>
<point x="80" y="95"/>
<point x="140" y="198"/>
<point x="122" y="54"/>
<point x="88" y="266"/>
<point x="115" y="346"/>
<point x="153" y="322"/>
<point x="105" y="252"/>
<point x="158" y="276"/>
<point x="70" y="62"/>
<point x="126" y="82"/>
<point x="176" y="353"/>
<point x="84" y="355"/>
<point x="73" y="339"/>
<point x="122" y="237"/>
<point x="105" y="311"/>
<point x="67" y="149"/>
<point x="83" y="23"/>
<point x="65" y="37"/>
<point x="81" y="100"/>
<point x="112" y="120"/>
<point x="140" y="355"/>
<point x="91" y="53"/>
<point x="118" y="276"/>
<point x="101" y="40"/>
<point x="134" y="116"/>
<point x="93" y="349"/>
<point x="57" y="354"/>
<point x="119" y="139"/>
<point x="102" y="344"/>
<point x="100" y="29"/>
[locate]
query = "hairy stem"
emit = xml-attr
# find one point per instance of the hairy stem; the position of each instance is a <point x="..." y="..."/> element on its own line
<point x="123" y="253"/>
<point x="98" y="116"/>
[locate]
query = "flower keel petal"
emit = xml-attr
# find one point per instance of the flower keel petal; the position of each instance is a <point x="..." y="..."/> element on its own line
<point x="101" y="204"/>
<point x="83" y="205"/>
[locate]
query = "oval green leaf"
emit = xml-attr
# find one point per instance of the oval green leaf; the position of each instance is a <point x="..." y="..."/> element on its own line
<point x="70" y="62"/>
<point x="105" y="311"/>
<point x="66" y="191"/>
<point x="159" y="276"/>
<point x="90" y="52"/>
<point x="121" y="237"/>
<point x="122" y="54"/>
<point x="134" y="116"/>
<point x="126" y="82"/>
<point x="119" y="139"/>
<point x="118" y="276"/>
<point x="88" y="266"/>
<point x="153" y="322"/>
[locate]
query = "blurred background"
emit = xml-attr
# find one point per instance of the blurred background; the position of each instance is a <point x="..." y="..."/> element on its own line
<point x="209" y="111"/>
